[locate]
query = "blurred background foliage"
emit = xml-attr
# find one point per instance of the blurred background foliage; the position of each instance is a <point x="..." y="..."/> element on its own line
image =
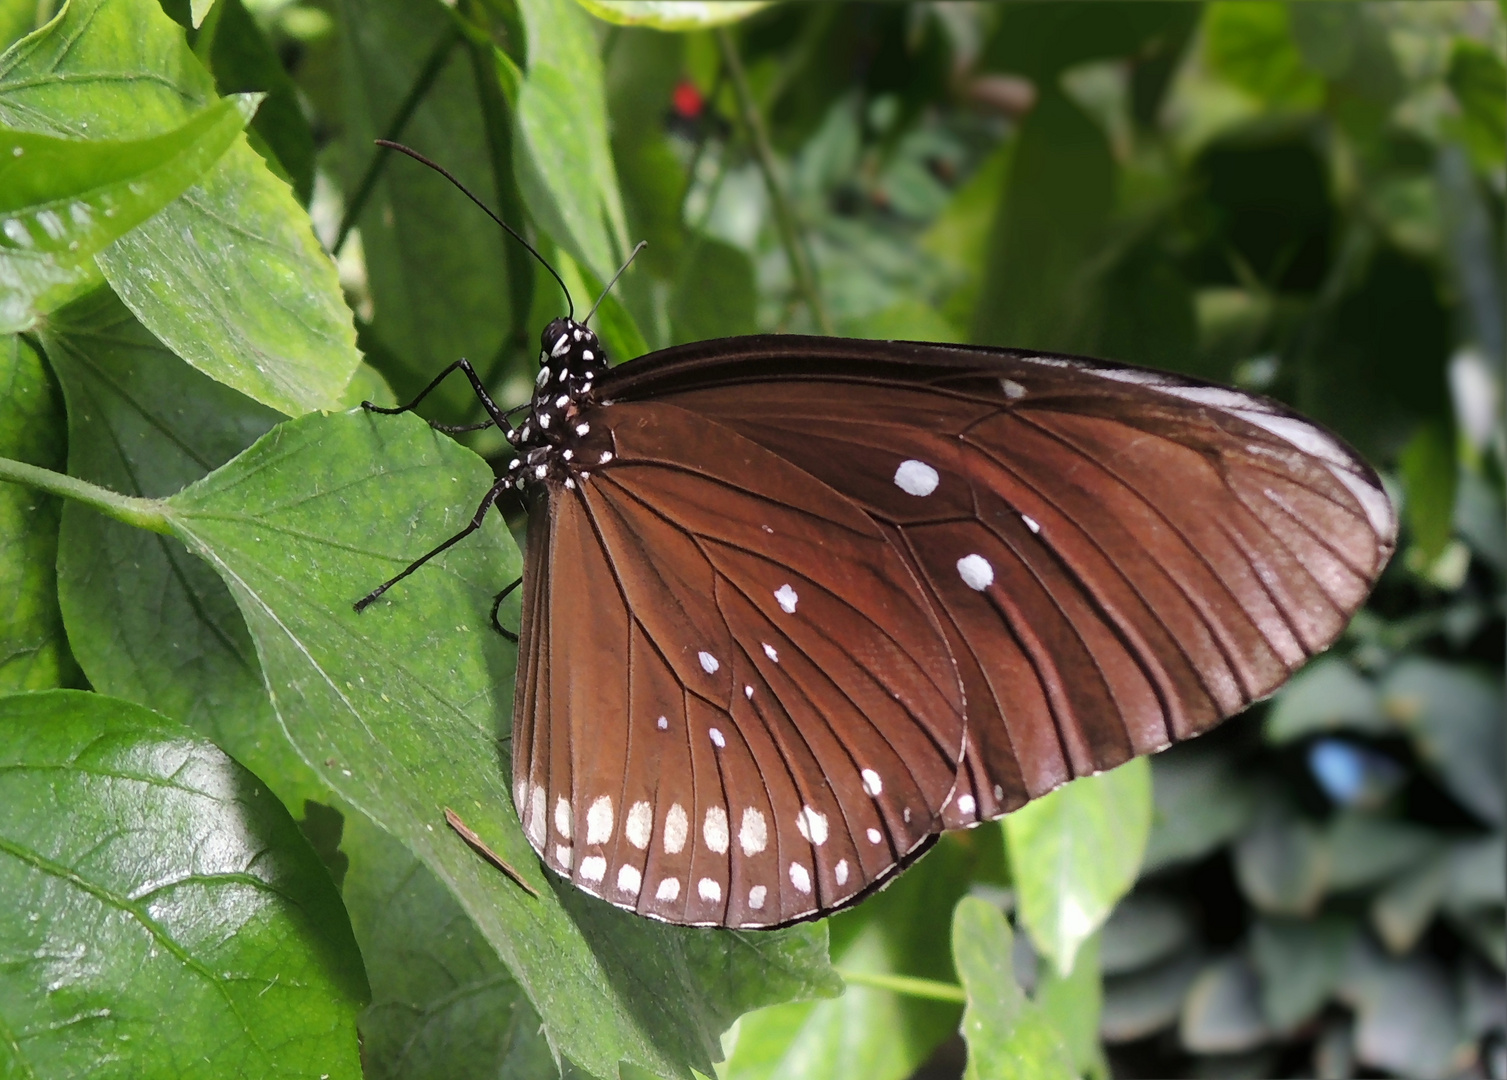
<point x="1304" y="199"/>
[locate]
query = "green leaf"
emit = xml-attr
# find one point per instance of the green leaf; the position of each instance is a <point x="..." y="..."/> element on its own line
<point x="1282" y="863"/>
<point x="1478" y="80"/>
<point x="1057" y="198"/>
<point x="1364" y="849"/>
<point x="1454" y="715"/>
<point x="614" y="324"/>
<point x="1041" y="39"/>
<point x="1222" y="1012"/>
<point x="1144" y="1002"/>
<point x="1072" y="1004"/>
<point x="564" y="164"/>
<point x="1076" y="851"/>
<point x="1327" y="695"/>
<point x="869" y="1033"/>
<point x="1251" y="45"/>
<point x="442" y="1003"/>
<point x="1300" y="962"/>
<point x="714" y="293"/>
<point x="1145" y="928"/>
<point x="163" y="915"/>
<point x="436" y="265"/>
<point x="1007" y="1036"/>
<point x="63" y="201"/>
<point x="229" y="275"/>
<point x="149" y="622"/>
<point x="34" y="651"/>
<point x="673" y="14"/>
<point x="404" y="711"/>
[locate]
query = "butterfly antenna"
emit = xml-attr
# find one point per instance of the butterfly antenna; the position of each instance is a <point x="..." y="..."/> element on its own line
<point x="631" y="256"/>
<point x="448" y="175"/>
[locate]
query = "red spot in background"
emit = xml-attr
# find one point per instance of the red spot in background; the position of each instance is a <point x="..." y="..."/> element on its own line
<point x="687" y="100"/>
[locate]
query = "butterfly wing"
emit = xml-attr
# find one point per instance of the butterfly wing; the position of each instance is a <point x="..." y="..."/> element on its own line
<point x="1120" y="558"/>
<point x="736" y="707"/>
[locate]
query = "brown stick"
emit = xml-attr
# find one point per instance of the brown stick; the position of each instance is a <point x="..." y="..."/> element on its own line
<point x="479" y="845"/>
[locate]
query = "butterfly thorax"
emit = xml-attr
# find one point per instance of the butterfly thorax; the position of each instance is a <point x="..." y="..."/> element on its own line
<point x="550" y="443"/>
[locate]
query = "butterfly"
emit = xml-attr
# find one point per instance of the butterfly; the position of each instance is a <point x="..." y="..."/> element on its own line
<point x="794" y="606"/>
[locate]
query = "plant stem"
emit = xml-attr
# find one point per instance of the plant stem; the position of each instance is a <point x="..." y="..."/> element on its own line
<point x="148" y="514"/>
<point x="427" y="74"/>
<point x="907" y="985"/>
<point x="800" y="266"/>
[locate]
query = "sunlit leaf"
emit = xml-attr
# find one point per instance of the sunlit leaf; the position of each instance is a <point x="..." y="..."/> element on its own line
<point x="163" y="915"/>
<point x="1075" y="852"/>
<point x="673" y="14"/>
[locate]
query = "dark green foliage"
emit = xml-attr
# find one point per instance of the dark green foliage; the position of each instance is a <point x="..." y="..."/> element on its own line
<point x="1305" y="199"/>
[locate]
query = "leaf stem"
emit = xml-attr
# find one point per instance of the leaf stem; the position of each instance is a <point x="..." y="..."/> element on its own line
<point x="800" y="266"/>
<point x="427" y="74"/>
<point x="908" y="985"/>
<point x="150" y="514"/>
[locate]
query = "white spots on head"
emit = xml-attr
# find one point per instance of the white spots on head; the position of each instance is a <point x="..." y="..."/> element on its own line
<point x="753" y="831"/>
<point x="1013" y="390"/>
<point x="999" y="793"/>
<point x="639" y="824"/>
<point x="1031" y="523"/>
<point x="813" y="825"/>
<point x="562" y="401"/>
<point x="599" y="820"/>
<point x="570" y="485"/>
<point x="605" y="458"/>
<point x="579" y="335"/>
<point x="563" y="818"/>
<point x="714" y="829"/>
<point x="769" y="652"/>
<point x="669" y="889"/>
<point x="787" y="598"/>
<point x="564" y="374"/>
<point x="976" y="572"/>
<point x="543" y="377"/>
<point x="748" y="692"/>
<point x="840" y="871"/>
<point x="916" y="477"/>
<point x="709" y="890"/>
<point x="708" y="662"/>
<point x="561" y="346"/>
<point x="966" y="805"/>
<point x="874" y="836"/>
<point x="515" y="463"/>
<point x="541" y="471"/>
<point x="756" y="897"/>
<point x="629" y="880"/>
<point x="536" y="819"/>
<point x="567" y="453"/>
<point x="582" y="428"/>
<point x="717" y="738"/>
<point x="593" y="868"/>
<point x="677" y="828"/>
<point x="662" y="723"/>
<point x="800" y="877"/>
<point x="871" y="782"/>
<point x="563" y="855"/>
<point x="586" y="354"/>
<point x="543" y="419"/>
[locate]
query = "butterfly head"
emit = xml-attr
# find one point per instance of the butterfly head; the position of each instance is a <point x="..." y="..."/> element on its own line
<point x="555" y="441"/>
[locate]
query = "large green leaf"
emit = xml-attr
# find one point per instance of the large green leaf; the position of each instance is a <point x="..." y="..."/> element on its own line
<point x="404" y="711"/>
<point x="33" y="649"/>
<point x="229" y="275"/>
<point x="163" y="915"/>
<point x="1478" y="80"/>
<point x="442" y="1003"/>
<point x="435" y="264"/>
<point x="1008" y="1037"/>
<point x="1076" y="851"/>
<point x="149" y="622"/>
<point x="66" y="200"/>
<point x="564" y="162"/>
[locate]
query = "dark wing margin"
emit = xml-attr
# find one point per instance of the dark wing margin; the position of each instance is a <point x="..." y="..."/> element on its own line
<point x="1119" y="558"/>
<point x="738" y="707"/>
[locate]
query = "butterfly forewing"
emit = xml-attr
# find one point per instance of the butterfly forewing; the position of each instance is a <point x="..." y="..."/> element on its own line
<point x="749" y="712"/>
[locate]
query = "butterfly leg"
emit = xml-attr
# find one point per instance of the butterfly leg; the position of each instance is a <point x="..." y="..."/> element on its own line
<point x="497" y="416"/>
<point x="475" y="523"/>
<point x="497" y="603"/>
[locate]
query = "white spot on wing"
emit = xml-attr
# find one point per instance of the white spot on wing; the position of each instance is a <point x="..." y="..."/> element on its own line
<point x="629" y="880"/>
<point x="756" y="897"/>
<point x="800" y="877"/>
<point x="639" y="825"/>
<point x="599" y="821"/>
<point x="871" y="782"/>
<point x="593" y="868"/>
<point x="709" y="890"/>
<point x="717" y="740"/>
<point x="708" y="662"/>
<point x="748" y="692"/>
<point x="677" y="828"/>
<point x="813" y="825"/>
<point x="562" y="817"/>
<point x="563" y="855"/>
<point x="662" y="723"/>
<point x="1013" y="390"/>
<point x="840" y="871"/>
<point x="669" y="889"/>
<point x="966" y="804"/>
<point x="714" y="829"/>
<point x="1030" y="523"/>
<point x="976" y="572"/>
<point x="769" y="652"/>
<point x="787" y="598"/>
<point x="753" y="831"/>
<point x="999" y="793"/>
<point x="536" y="818"/>
<point x="874" y="836"/>
<point x="916" y="478"/>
